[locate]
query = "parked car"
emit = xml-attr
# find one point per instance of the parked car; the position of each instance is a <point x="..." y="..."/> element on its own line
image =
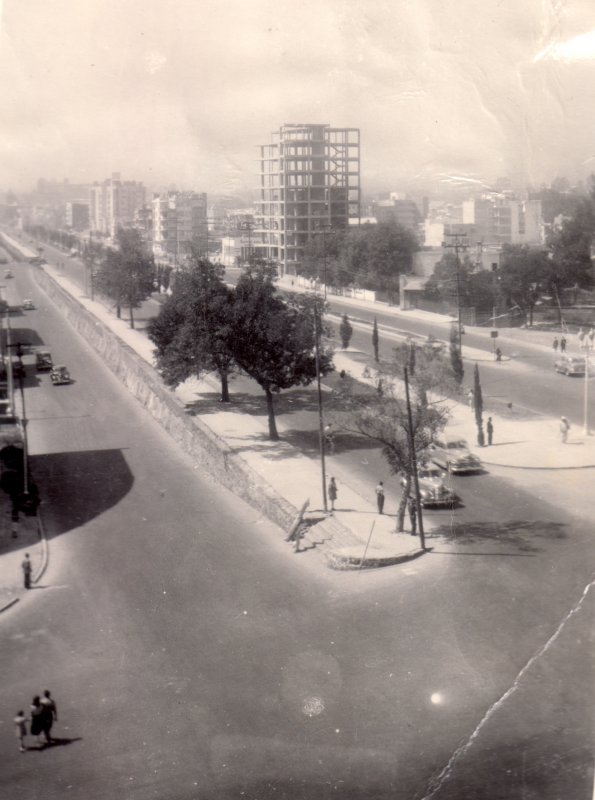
<point x="570" y="365"/>
<point x="433" y="345"/>
<point x="43" y="360"/>
<point x="59" y="374"/>
<point x="452" y="454"/>
<point x="432" y="489"/>
<point x="8" y="273"/>
<point x="28" y="304"/>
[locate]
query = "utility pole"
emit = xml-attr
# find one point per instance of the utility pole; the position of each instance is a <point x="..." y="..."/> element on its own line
<point x="321" y="443"/>
<point x="413" y="461"/>
<point x="459" y="243"/>
<point x="19" y="352"/>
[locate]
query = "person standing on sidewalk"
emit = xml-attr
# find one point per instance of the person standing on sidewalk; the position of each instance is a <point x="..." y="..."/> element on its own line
<point x="490" y="430"/>
<point x="27" y="568"/>
<point x="412" y="506"/>
<point x="332" y="492"/>
<point x="555" y="344"/>
<point x="563" y="345"/>
<point x="50" y="714"/>
<point x="564" y="428"/>
<point x="380" y="497"/>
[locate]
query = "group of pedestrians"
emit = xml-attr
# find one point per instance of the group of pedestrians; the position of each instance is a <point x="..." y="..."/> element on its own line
<point x="332" y="494"/>
<point x="561" y="343"/>
<point x="42" y="715"/>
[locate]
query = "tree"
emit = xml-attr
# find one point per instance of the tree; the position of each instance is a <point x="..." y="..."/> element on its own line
<point x="521" y="272"/>
<point x="345" y="332"/>
<point x="383" y="418"/>
<point x="456" y="360"/>
<point x="275" y="338"/>
<point x="375" y="340"/>
<point x="194" y="329"/>
<point x="478" y="406"/>
<point x="127" y="273"/>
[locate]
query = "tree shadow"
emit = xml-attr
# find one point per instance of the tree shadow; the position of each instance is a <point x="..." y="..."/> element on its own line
<point x="79" y="486"/>
<point x="254" y="404"/>
<point x="522" y="534"/>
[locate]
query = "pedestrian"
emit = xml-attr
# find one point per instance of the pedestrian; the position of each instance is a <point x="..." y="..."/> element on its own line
<point x="21" y="729"/>
<point x="490" y="430"/>
<point x="329" y="438"/>
<point x="498" y="354"/>
<point x="380" y="496"/>
<point x="470" y="397"/>
<point x="564" y="428"/>
<point x="37" y="714"/>
<point x="563" y="345"/>
<point x="27" y="570"/>
<point x="332" y="492"/>
<point x="412" y="506"/>
<point x="555" y="344"/>
<point x="50" y="714"/>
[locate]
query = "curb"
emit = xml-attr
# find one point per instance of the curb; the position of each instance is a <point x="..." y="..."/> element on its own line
<point x="346" y="561"/>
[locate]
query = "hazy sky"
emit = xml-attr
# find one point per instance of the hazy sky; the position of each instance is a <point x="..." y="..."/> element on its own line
<point x="182" y="91"/>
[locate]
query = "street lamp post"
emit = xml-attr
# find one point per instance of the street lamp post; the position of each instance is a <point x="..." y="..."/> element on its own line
<point x="586" y="341"/>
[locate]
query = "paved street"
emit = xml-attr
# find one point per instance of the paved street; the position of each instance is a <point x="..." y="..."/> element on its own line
<point x="193" y="655"/>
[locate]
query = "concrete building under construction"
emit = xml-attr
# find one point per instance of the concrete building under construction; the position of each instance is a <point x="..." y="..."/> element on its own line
<point x="309" y="185"/>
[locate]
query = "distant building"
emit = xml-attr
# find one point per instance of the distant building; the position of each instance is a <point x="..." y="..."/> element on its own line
<point x="309" y="184"/>
<point x="504" y="220"/>
<point x="114" y="203"/>
<point x="179" y="218"/>
<point x="77" y="215"/>
<point x="400" y="210"/>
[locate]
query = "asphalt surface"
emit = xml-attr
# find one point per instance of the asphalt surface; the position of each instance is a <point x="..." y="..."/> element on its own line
<point x="192" y="657"/>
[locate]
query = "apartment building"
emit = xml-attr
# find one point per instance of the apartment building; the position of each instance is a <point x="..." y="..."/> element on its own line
<point x="178" y="219"/>
<point x="309" y="184"/>
<point x="113" y="203"/>
<point x="504" y="220"/>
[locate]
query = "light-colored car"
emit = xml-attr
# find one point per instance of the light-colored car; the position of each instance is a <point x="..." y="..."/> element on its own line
<point x="28" y="304"/>
<point x="59" y="374"/>
<point x="432" y="489"/>
<point x="570" y="365"/>
<point x="452" y="454"/>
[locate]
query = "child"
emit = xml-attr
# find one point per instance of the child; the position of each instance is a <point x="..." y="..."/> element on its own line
<point x="21" y="730"/>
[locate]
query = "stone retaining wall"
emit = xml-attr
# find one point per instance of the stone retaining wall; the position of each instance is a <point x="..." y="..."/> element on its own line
<point x="211" y="453"/>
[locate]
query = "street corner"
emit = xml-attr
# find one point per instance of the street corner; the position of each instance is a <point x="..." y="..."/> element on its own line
<point x="23" y="538"/>
<point x="351" y="558"/>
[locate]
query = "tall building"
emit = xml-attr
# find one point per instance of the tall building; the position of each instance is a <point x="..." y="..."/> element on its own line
<point x="178" y="219"/>
<point x="504" y="220"/>
<point x="114" y="203"/>
<point x="309" y="184"/>
<point x="77" y="215"/>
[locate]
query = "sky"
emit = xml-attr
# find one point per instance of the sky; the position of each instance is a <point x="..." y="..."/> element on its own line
<point x="182" y="92"/>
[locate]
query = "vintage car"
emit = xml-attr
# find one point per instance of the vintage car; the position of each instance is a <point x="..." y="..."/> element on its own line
<point x="43" y="360"/>
<point x="570" y="365"/>
<point x="59" y="374"/>
<point x="432" y="489"/>
<point x="452" y="454"/>
<point x="28" y="304"/>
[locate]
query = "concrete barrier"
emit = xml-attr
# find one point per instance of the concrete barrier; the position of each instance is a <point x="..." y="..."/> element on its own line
<point x="210" y="452"/>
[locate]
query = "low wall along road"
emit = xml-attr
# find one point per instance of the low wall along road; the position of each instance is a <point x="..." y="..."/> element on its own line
<point x="210" y="452"/>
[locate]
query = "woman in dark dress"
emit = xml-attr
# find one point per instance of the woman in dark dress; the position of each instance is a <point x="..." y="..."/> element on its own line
<point x="37" y="717"/>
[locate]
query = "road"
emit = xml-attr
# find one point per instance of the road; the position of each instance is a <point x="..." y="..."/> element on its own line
<point x="193" y="656"/>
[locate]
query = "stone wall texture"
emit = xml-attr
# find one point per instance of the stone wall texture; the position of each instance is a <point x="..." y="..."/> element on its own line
<point x="209" y="452"/>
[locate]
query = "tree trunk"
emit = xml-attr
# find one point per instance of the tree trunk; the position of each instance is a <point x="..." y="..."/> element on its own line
<point x="131" y="317"/>
<point x="118" y="311"/>
<point x="224" y="385"/>
<point x="273" y="435"/>
<point x="403" y="507"/>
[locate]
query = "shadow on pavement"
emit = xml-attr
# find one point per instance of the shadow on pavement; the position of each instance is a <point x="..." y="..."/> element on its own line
<point x="56" y="742"/>
<point x="522" y="534"/>
<point x="77" y="487"/>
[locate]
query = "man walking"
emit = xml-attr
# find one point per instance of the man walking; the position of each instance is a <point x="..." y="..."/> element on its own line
<point x="555" y="344"/>
<point x="380" y="497"/>
<point x="490" y="430"/>
<point x="564" y="428"/>
<point x="27" y="570"/>
<point x="50" y="714"/>
<point x="563" y="345"/>
<point x="412" y="505"/>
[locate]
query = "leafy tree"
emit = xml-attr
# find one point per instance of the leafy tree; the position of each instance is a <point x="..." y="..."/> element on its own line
<point x="194" y="329"/>
<point x="522" y="270"/>
<point x="345" y="332"/>
<point x="375" y="340"/>
<point x="382" y="418"/>
<point x="126" y="274"/>
<point x="456" y="360"/>
<point x="478" y="406"/>
<point x="276" y="338"/>
<point x="450" y="279"/>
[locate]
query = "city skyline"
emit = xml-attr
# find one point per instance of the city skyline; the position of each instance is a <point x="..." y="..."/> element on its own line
<point x="186" y="96"/>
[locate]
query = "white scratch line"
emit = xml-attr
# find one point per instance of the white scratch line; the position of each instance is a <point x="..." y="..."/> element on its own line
<point x="436" y="783"/>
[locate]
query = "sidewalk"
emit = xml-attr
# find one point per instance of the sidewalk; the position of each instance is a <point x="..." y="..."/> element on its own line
<point x="16" y="539"/>
<point x="355" y="528"/>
